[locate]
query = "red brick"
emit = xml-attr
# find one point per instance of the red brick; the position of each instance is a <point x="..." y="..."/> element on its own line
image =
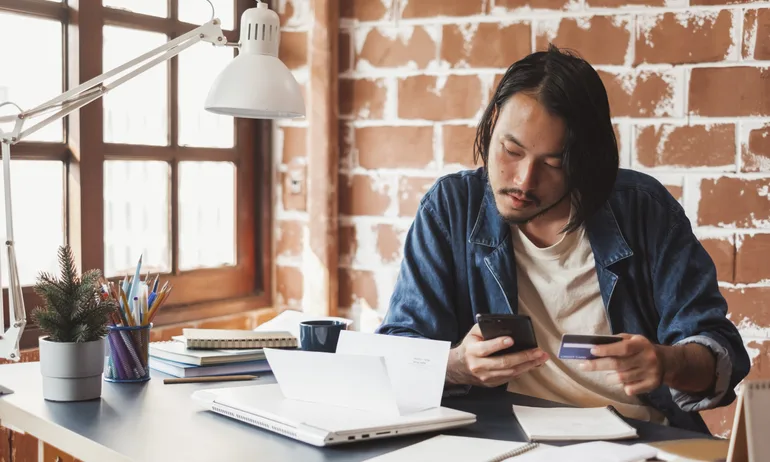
<point x="749" y="87"/>
<point x="24" y="447"/>
<point x="389" y="244"/>
<point x="286" y="15"/>
<point x="394" y="147"/>
<point x="676" y="38"/>
<point x="619" y="3"/>
<point x="410" y="191"/>
<point x="363" y="10"/>
<point x="295" y="177"/>
<point x="361" y="195"/>
<point x="431" y="8"/>
<point x="734" y="202"/>
<point x="5" y="444"/>
<point x="760" y="365"/>
<point x="355" y="285"/>
<point x="675" y="191"/>
<point x="688" y="146"/>
<point x="640" y="94"/>
<point x="345" y="139"/>
<point x="292" y="49"/>
<point x="720" y="2"/>
<point x="345" y="50"/>
<point x="538" y="4"/>
<point x="487" y="44"/>
<point x="381" y="50"/>
<point x="347" y="244"/>
<point x="294" y="144"/>
<point x="756" y="34"/>
<point x="720" y="420"/>
<point x="722" y="252"/>
<point x="439" y="98"/>
<point x="289" y="238"/>
<point x="362" y="98"/>
<point x="241" y="321"/>
<point x="751" y="304"/>
<point x="458" y="144"/>
<point x="600" y="39"/>
<point x="289" y="282"/>
<point x="756" y="152"/>
<point x="752" y="264"/>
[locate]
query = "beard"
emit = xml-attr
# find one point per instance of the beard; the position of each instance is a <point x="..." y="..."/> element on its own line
<point x="520" y="220"/>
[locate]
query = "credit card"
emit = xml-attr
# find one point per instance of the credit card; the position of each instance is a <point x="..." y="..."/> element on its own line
<point x="577" y="346"/>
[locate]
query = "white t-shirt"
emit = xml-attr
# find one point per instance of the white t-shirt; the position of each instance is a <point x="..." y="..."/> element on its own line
<point x="559" y="289"/>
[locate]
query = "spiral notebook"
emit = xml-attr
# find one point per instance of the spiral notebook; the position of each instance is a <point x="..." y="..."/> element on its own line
<point x="232" y="339"/>
<point x="748" y="440"/>
<point x="449" y="448"/>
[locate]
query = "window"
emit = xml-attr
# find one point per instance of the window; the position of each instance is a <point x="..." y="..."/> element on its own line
<point x="143" y="171"/>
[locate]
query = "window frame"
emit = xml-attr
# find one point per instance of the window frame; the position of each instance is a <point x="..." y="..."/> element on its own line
<point x="199" y="293"/>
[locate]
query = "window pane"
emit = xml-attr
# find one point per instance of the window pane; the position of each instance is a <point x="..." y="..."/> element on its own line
<point x="136" y="217"/>
<point x="151" y="7"/>
<point x="198" y="67"/>
<point x="137" y="111"/>
<point x="206" y="214"/>
<point x="37" y="192"/>
<point x="199" y="12"/>
<point x="32" y="73"/>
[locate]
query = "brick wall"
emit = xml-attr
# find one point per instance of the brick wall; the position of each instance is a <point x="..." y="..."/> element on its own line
<point x="689" y="88"/>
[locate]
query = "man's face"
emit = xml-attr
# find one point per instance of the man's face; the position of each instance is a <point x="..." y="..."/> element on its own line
<point x="525" y="157"/>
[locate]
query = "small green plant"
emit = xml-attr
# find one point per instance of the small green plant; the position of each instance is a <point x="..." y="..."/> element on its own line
<point x="73" y="309"/>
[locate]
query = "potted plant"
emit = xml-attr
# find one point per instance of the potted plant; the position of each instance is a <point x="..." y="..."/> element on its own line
<point x="74" y="318"/>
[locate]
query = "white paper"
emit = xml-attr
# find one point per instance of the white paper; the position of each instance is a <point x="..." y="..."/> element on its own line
<point x="416" y="366"/>
<point x="288" y="321"/>
<point x="448" y="448"/>
<point x="359" y="382"/>
<point x="372" y="372"/>
<point x="565" y="423"/>
<point x="594" y="451"/>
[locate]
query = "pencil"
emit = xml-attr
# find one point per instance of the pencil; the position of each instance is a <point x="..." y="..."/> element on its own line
<point x="214" y="378"/>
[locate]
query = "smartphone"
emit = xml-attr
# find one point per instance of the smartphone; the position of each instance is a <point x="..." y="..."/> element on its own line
<point x="518" y="327"/>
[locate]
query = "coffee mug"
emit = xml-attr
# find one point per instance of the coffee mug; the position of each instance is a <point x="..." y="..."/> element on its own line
<point x="320" y="335"/>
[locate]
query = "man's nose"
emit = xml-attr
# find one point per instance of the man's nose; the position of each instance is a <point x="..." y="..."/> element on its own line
<point x="525" y="175"/>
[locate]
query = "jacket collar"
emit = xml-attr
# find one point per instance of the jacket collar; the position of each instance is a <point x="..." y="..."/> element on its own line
<point x="607" y="241"/>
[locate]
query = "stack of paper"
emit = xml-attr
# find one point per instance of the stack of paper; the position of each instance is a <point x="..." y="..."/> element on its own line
<point x="562" y="423"/>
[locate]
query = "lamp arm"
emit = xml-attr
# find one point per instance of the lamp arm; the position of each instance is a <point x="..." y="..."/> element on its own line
<point x="66" y="103"/>
<point x="95" y="88"/>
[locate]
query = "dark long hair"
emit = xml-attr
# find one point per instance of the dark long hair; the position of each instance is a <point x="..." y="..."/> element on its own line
<point x="568" y="87"/>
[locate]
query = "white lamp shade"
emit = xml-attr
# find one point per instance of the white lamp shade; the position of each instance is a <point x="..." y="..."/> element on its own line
<point x="256" y="87"/>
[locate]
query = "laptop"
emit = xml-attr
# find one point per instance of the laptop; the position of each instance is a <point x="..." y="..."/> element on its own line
<point x="264" y="406"/>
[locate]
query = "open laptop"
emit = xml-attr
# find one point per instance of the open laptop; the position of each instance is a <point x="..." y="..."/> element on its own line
<point x="264" y="406"/>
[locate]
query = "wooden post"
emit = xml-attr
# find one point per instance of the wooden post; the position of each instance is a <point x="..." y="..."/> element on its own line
<point x="321" y="257"/>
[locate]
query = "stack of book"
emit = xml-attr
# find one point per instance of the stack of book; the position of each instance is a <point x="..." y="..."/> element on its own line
<point x="212" y="352"/>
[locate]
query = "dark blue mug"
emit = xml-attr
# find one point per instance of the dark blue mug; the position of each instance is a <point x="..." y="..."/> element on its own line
<point x="320" y="335"/>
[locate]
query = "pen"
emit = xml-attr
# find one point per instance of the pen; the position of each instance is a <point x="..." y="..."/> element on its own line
<point x="215" y="378"/>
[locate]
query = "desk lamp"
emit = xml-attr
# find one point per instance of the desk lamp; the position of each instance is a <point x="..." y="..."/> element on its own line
<point x="254" y="85"/>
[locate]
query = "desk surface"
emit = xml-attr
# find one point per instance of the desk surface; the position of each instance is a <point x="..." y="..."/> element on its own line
<point x="156" y="422"/>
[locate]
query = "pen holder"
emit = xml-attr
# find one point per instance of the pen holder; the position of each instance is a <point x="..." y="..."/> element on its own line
<point x="127" y="354"/>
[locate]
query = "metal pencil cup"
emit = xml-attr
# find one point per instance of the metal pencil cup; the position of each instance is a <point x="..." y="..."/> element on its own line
<point x="127" y="354"/>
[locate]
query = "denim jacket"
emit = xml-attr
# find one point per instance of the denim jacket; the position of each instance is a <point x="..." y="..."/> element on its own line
<point x="655" y="277"/>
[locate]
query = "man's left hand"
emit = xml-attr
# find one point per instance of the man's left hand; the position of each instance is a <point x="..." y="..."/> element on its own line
<point x="637" y="363"/>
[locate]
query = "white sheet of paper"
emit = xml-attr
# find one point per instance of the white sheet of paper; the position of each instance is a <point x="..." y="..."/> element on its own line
<point x="416" y="366"/>
<point x="288" y="321"/>
<point x="355" y="381"/>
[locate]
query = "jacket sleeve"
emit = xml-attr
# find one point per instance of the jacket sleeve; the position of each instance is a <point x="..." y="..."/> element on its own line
<point x="422" y="303"/>
<point x="693" y="310"/>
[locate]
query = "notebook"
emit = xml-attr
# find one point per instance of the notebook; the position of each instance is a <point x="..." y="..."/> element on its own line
<point x="566" y="423"/>
<point x="457" y="449"/>
<point x="237" y="339"/>
<point x="189" y="370"/>
<point x="592" y="451"/>
<point x="176" y="351"/>
<point x="749" y="440"/>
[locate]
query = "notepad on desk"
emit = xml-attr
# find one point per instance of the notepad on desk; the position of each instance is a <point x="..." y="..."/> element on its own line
<point x="448" y="448"/>
<point x="236" y="339"/>
<point x="564" y="423"/>
<point x="173" y="350"/>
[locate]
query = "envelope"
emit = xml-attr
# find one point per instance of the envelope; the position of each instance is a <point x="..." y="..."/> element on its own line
<point x="371" y="372"/>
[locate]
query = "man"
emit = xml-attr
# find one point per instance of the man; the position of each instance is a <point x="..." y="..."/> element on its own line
<point x="550" y="227"/>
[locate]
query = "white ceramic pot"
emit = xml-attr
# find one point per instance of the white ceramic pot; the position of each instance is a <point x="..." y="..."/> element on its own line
<point x="72" y="371"/>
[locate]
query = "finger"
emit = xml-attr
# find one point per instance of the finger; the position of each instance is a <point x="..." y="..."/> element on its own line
<point x="512" y="360"/>
<point x="642" y="386"/>
<point x="485" y="348"/>
<point x="629" y="345"/>
<point x="475" y="332"/>
<point x="627" y="377"/>
<point x="617" y="364"/>
<point x="508" y="374"/>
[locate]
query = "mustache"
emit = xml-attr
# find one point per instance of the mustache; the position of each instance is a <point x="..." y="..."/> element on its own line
<point x="527" y="195"/>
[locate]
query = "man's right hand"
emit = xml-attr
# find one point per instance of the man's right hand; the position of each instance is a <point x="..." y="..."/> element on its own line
<point x="470" y="363"/>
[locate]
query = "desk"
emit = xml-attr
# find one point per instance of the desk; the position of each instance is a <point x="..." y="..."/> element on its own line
<point x="156" y="422"/>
